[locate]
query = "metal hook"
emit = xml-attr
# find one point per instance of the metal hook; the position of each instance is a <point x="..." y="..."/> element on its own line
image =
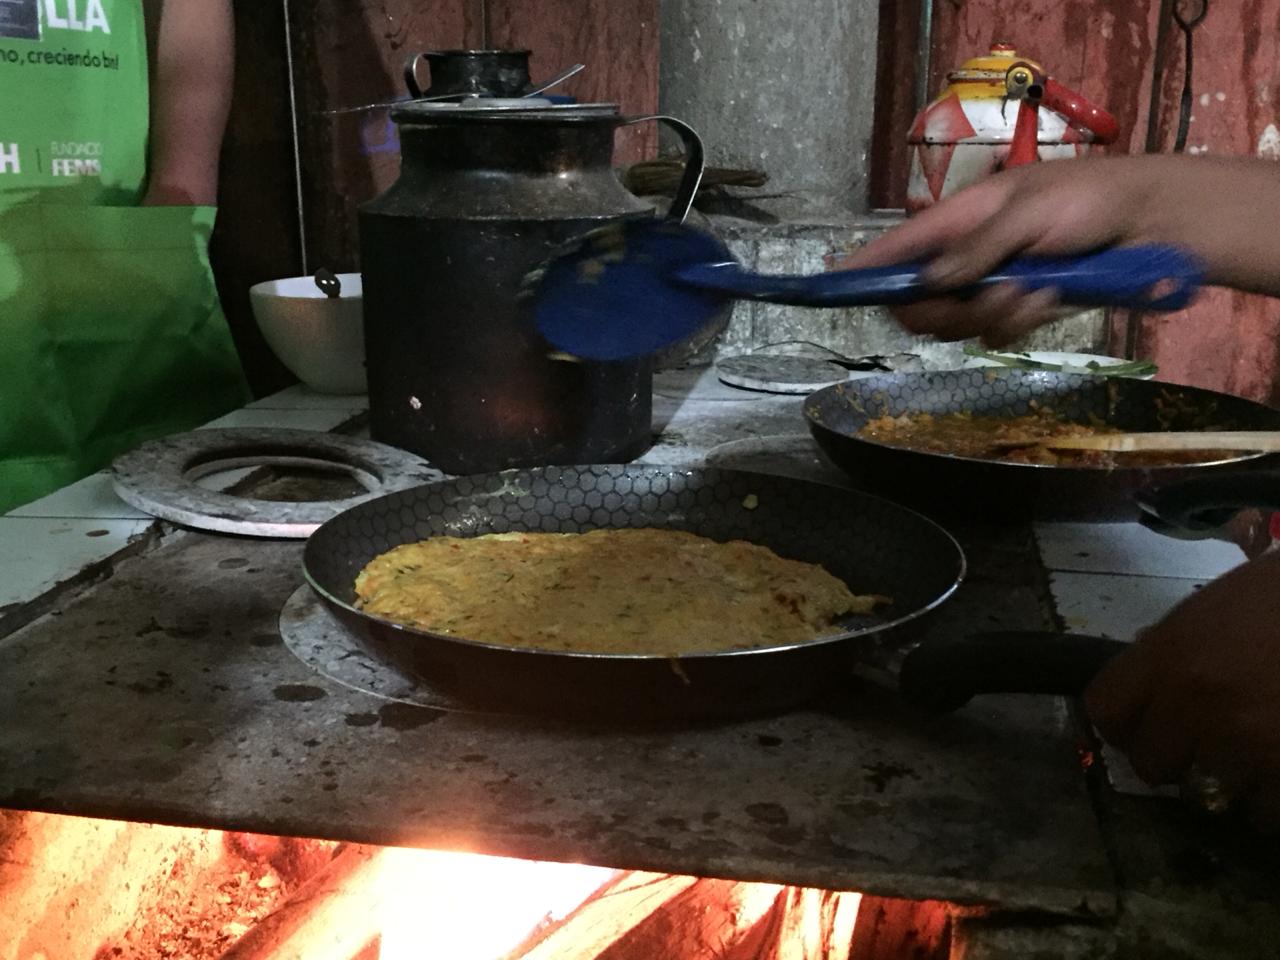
<point x="1185" y="22"/>
<point x="1187" y="25"/>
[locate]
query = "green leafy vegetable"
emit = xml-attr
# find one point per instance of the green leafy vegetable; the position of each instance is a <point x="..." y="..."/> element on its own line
<point x="1021" y="361"/>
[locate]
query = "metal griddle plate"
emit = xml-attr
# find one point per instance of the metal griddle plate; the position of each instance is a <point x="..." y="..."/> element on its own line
<point x="160" y="477"/>
<point x="315" y="637"/>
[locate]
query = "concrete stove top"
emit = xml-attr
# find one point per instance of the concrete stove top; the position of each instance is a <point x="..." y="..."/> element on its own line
<point x="161" y="691"/>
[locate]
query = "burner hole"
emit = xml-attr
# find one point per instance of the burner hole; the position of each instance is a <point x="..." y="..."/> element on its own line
<point x="287" y="479"/>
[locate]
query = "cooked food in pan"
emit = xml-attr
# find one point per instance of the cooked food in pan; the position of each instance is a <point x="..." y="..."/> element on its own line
<point x="637" y="591"/>
<point x="1014" y="439"/>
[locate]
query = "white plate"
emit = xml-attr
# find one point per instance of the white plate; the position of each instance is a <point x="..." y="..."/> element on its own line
<point x="1074" y="362"/>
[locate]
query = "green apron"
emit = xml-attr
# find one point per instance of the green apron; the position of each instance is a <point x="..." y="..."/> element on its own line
<point x="110" y="328"/>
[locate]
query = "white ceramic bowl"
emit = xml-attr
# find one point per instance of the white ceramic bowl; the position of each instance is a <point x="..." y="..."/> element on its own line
<point x="319" y="338"/>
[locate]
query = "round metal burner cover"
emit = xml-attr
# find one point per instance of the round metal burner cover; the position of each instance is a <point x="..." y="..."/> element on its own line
<point x="777" y="373"/>
<point x="160" y="477"/>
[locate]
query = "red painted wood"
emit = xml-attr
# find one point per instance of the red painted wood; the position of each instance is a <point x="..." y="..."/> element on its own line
<point x="348" y="54"/>
<point x="618" y="42"/>
<point x="256" y="237"/>
<point x="475" y="25"/>
<point x="1227" y="341"/>
<point x="355" y="51"/>
<point x="894" y="111"/>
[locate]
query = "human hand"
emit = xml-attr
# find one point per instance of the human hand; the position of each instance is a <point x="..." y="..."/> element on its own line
<point x="1213" y="208"/>
<point x="1062" y="207"/>
<point x="1200" y="692"/>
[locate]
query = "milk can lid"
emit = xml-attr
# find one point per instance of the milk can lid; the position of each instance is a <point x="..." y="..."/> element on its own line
<point x="482" y="109"/>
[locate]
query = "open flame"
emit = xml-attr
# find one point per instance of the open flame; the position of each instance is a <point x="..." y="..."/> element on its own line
<point x="465" y="906"/>
<point x="140" y="891"/>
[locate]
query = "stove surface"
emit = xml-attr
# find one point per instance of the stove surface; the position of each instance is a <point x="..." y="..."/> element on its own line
<point x="165" y="693"/>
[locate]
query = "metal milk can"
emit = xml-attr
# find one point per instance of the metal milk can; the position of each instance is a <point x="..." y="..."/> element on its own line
<point x="997" y="111"/>
<point x="488" y="190"/>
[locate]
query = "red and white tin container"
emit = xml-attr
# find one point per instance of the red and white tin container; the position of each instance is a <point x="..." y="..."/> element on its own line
<point x="997" y="111"/>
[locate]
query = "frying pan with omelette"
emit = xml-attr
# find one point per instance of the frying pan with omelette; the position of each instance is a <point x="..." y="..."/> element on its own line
<point x="613" y="621"/>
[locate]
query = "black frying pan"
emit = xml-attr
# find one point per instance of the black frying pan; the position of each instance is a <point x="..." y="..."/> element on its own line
<point x="945" y="485"/>
<point x="873" y="545"/>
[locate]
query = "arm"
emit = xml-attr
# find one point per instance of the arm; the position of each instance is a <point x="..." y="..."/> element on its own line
<point x="193" y="62"/>
<point x="1220" y="209"/>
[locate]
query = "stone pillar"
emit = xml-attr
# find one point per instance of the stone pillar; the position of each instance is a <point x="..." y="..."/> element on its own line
<point x="783" y="86"/>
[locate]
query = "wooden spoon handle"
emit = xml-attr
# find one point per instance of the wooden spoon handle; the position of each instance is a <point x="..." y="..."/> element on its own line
<point x="1243" y="440"/>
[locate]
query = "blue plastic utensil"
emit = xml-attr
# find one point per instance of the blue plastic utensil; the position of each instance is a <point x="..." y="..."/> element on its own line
<point x="633" y="288"/>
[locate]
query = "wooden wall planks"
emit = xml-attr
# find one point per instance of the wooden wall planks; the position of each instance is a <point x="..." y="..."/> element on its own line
<point x="618" y="42"/>
<point x="1228" y="341"/>
<point x="257" y="236"/>
<point x="895" y="104"/>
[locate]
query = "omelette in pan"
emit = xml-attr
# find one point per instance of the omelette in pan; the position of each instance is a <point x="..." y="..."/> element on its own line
<point x="656" y="592"/>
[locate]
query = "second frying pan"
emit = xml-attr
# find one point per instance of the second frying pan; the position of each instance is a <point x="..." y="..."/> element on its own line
<point x="943" y="485"/>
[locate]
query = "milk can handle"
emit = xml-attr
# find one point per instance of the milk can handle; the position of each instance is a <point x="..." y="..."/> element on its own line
<point x="411" y="76"/>
<point x="694" y="164"/>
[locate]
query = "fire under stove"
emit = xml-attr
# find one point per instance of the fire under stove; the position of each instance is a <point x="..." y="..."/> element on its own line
<point x="192" y="681"/>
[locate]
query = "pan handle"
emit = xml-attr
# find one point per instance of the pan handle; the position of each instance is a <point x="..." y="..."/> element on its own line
<point x="943" y="676"/>
<point x="1205" y="504"/>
